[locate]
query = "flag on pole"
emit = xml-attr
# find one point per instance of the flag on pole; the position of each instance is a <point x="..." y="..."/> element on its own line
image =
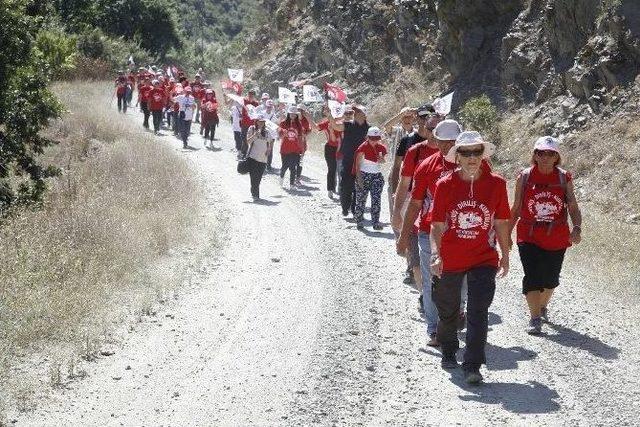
<point x="336" y="108"/>
<point x="443" y="105"/>
<point x="335" y="92"/>
<point x="311" y="93"/>
<point x="286" y="96"/>
<point x="130" y="61"/>
<point x="236" y="75"/>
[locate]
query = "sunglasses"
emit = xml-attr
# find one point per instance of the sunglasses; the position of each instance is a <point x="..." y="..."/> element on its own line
<point x="545" y="153"/>
<point x="471" y="153"/>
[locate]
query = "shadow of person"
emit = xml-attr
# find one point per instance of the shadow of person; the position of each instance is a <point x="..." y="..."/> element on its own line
<point x="530" y="398"/>
<point x="379" y="234"/>
<point x="494" y="319"/>
<point x="570" y="338"/>
<point x="262" y="202"/>
<point x="502" y="359"/>
<point x="309" y="180"/>
<point x="299" y="192"/>
<point x="307" y="187"/>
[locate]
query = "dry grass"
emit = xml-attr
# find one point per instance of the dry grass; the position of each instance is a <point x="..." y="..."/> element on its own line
<point x="121" y="203"/>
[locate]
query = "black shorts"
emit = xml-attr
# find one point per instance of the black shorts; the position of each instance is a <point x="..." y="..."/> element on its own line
<point x="541" y="267"/>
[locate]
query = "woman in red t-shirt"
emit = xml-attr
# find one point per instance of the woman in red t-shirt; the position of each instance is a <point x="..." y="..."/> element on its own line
<point x="369" y="179"/>
<point x="328" y="126"/>
<point x="291" y="145"/>
<point x="544" y="199"/>
<point x="470" y="208"/>
<point x="210" y="120"/>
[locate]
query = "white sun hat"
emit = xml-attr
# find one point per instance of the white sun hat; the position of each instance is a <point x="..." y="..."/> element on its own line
<point x="547" y="143"/>
<point x="447" y="130"/>
<point x="374" y="132"/>
<point x="469" y="139"/>
<point x="292" y="109"/>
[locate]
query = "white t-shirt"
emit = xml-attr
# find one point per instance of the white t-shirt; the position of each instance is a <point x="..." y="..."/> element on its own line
<point x="369" y="167"/>
<point x="259" y="145"/>
<point x="187" y="104"/>
<point x="236" y="115"/>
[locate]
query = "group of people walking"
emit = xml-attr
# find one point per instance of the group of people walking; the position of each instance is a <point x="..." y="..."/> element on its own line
<point x="449" y="209"/>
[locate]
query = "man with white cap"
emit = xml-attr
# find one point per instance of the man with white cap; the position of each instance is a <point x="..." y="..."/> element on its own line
<point x="470" y="209"/>
<point x="428" y="172"/>
<point x="366" y="168"/>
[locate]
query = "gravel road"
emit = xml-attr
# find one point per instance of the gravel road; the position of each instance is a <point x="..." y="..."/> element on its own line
<point x="300" y="319"/>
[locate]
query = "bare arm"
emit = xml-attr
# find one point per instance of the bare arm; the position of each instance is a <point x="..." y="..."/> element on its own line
<point x="398" y="202"/>
<point x="437" y="230"/>
<point x="574" y="213"/>
<point x="407" y="225"/>
<point x="395" y="173"/>
<point x="502" y="227"/>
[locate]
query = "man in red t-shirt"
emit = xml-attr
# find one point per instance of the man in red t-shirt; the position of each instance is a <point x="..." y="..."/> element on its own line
<point x="157" y="102"/>
<point x="144" y="91"/>
<point x="121" y="92"/>
<point x="470" y="209"/>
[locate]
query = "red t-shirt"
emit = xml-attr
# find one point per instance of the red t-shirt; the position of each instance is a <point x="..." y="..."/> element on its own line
<point x="157" y="99"/>
<point x="544" y="200"/>
<point x="198" y="90"/>
<point x="426" y="175"/>
<point x="415" y="155"/>
<point x="370" y="151"/>
<point x="333" y="136"/>
<point x="469" y="240"/>
<point x="121" y="85"/>
<point x="291" y="138"/>
<point x="144" y="91"/>
<point x="246" y="120"/>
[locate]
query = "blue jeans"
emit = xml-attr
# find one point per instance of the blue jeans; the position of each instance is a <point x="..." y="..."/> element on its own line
<point x="430" y="310"/>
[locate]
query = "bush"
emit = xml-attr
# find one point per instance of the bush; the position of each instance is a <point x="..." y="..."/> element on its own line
<point x="58" y="50"/>
<point x="481" y="115"/>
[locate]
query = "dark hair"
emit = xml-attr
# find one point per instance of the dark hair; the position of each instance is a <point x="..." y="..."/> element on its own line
<point x="296" y="123"/>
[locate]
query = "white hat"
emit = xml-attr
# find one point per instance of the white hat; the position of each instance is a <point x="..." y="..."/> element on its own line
<point x="469" y="139"/>
<point x="265" y="96"/>
<point x="447" y="130"/>
<point x="292" y="109"/>
<point x="375" y="132"/>
<point x="547" y="143"/>
<point x="261" y="117"/>
<point x="155" y="82"/>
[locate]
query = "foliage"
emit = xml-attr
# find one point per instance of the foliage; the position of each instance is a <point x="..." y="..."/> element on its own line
<point x="57" y="50"/>
<point x="214" y="21"/>
<point x="95" y="45"/>
<point x="26" y="105"/>
<point x="481" y="115"/>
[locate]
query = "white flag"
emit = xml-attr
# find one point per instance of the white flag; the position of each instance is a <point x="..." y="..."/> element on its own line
<point x="336" y="108"/>
<point x="272" y="128"/>
<point x="311" y="93"/>
<point x="443" y="105"/>
<point x="252" y="111"/>
<point x="236" y="75"/>
<point x="286" y="96"/>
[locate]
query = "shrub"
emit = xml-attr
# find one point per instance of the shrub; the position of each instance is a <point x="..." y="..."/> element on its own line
<point x="481" y="115"/>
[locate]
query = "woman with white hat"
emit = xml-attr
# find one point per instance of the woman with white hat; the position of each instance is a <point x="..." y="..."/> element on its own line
<point x="470" y="209"/>
<point x="291" y="145"/>
<point x="260" y="143"/>
<point x="544" y="201"/>
<point x="369" y="179"/>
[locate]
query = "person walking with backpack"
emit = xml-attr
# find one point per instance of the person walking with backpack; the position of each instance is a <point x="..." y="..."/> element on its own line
<point x="470" y="209"/>
<point x="369" y="178"/>
<point x="544" y="201"/>
<point x="260" y="143"/>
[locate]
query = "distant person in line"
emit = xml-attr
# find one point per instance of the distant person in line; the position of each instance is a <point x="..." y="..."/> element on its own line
<point x="210" y="118"/>
<point x="354" y="134"/>
<point x="271" y="114"/>
<point x="175" y="109"/>
<point x="291" y="146"/>
<point x="131" y="80"/>
<point x="197" y="87"/>
<point x="305" y="121"/>
<point x="470" y="209"/>
<point x="369" y="179"/>
<point x="544" y="200"/>
<point x="236" y="118"/>
<point x="157" y="101"/>
<point x="121" y="85"/>
<point x="187" y="109"/>
<point x="260" y="142"/>
<point x="246" y="121"/>
<point x="144" y="92"/>
<point x="329" y="126"/>
<point x="396" y="128"/>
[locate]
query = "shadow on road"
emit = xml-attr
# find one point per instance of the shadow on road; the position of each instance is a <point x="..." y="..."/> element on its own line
<point x="570" y="338"/>
<point x="502" y="359"/>
<point x="262" y="202"/>
<point x="530" y="398"/>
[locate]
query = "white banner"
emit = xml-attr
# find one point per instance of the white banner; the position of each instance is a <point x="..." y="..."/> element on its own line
<point x="443" y="105"/>
<point x="286" y="96"/>
<point x="252" y="111"/>
<point x="310" y="93"/>
<point x="236" y="98"/>
<point x="236" y="75"/>
<point x="272" y="128"/>
<point x="336" y="108"/>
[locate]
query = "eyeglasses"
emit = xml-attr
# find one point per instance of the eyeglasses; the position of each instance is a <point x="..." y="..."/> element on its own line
<point x="545" y="153"/>
<point x="471" y="153"/>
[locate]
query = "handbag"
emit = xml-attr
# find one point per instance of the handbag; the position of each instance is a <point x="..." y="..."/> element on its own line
<point x="243" y="164"/>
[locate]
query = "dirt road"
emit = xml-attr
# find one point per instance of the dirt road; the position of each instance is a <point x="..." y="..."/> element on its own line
<point x="300" y="319"/>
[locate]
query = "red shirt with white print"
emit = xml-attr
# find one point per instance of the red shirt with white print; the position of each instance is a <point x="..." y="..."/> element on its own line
<point x="333" y="136"/>
<point x="543" y="218"/>
<point x="469" y="213"/>
<point x="371" y="153"/>
<point x="291" y="138"/>
<point x="157" y="99"/>
<point x="144" y="91"/>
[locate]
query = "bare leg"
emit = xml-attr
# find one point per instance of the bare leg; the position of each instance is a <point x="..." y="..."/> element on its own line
<point x="545" y="297"/>
<point x="533" y="300"/>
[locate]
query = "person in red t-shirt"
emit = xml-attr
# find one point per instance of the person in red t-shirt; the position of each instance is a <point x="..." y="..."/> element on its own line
<point x="328" y="126"/>
<point x="470" y="209"/>
<point x="369" y="179"/>
<point x="245" y="121"/>
<point x="210" y="118"/>
<point x="291" y="145"/>
<point x="425" y="177"/>
<point x="144" y="91"/>
<point x="544" y="200"/>
<point x="121" y="85"/>
<point x="156" y="103"/>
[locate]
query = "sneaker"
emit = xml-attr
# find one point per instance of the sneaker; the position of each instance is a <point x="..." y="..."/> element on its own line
<point x="472" y="376"/>
<point x="255" y="198"/>
<point x="449" y="361"/>
<point x="420" y="306"/>
<point x="345" y="213"/>
<point x="433" y="341"/>
<point x="462" y="321"/>
<point x="544" y="313"/>
<point x="360" y="226"/>
<point x="408" y="278"/>
<point x="535" y="326"/>
<point x="330" y="194"/>
<point x="377" y="226"/>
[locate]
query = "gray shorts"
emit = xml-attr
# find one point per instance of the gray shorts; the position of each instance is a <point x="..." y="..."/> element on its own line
<point x="413" y="253"/>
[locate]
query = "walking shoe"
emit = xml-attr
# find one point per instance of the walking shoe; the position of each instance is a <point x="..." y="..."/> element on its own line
<point x="449" y="361"/>
<point x="360" y="226"/>
<point x="544" y="313"/>
<point x="408" y="278"/>
<point x="433" y="341"/>
<point x="535" y="326"/>
<point x="462" y="321"/>
<point x="420" y="306"/>
<point x="330" y="194"/>
<point x="377" y="226"/>
<point x="345" y="213"/>
<point x="472" y="376"/>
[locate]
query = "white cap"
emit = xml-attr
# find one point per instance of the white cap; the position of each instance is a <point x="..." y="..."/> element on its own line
<point x="292" y="109"/>
<point x="155" y="82"/>
<point x="374" y="131"/>
<point x="547" y="143"/>
<point x="447" y="130"/>
<point x="265" y="96"/>
<point x="469" y="139"/>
